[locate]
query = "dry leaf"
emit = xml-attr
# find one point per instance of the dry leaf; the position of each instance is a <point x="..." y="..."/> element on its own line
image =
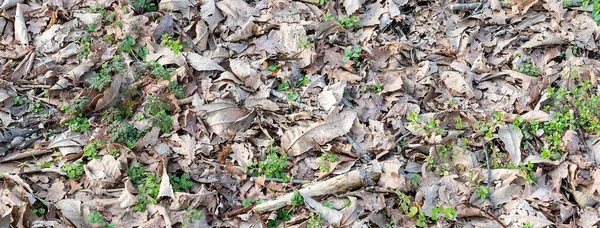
<point x="201" y="63"/>
<point x="511" y="137"/>
<point x="20" y="28"/>
<point x="300" y="139"/>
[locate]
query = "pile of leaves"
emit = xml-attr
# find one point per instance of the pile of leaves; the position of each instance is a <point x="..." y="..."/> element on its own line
<point x="160" y="113"/>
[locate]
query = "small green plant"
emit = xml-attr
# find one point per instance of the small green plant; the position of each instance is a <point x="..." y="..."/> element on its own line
<point x="314" y="220"/>
<point x="273" y="166"/>
<point x="353" y="53"/>
<point x="159" y="71"/>
<point x="96" y="218"/>
<point x="146" y="5"/>
<point x="482" y="192"/>
<point x="323" y="2"/>
<point x="193" y="214"/>
<point x="159" y="110"/>
<point x="77" y="122"/>
<point x="281" y="216"/>
<point x="173" y="44"/>
<point x="45" y="164"/>
<point x="20" y="100"/>
<point x="274" y="67"/>
<point x="306" y="42"/>
<point x="528" y="225"/>
<point x="347" y="203"/>
<point x="328" y="204"/>
<point x="114" y="152"/>
<point x="123" y="132"/>
<point x="303" y="81"/>
<point x="126" y="45"/>
<point x="247" y="202"/>
<point x="413" y="211"/>
<point x="181" y="183"/>
<point x="176" y="90"/>
<point x="292" y="95"/>
<point x="414" y="181"/>
<point x="147" y="183"/>
<point x="37" y="107"/>
<point x="377" y="88"/>
<point x="459" y="123"/>
<point x="90" y="151"/>
<point x="297" y="199"/>
<point x="104" y="77"/>
<point x="91" y="27"/>
<point x="528" y="68"/>
<point x="39" y="211"/>
<point x="325" y="159"/>
<point x="283" y="86"/>
<point x="73" y="170"/>
<point x="349" y="21"/>
<point x="85" y="42"/>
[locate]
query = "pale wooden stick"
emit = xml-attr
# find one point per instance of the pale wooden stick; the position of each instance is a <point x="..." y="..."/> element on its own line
<point x="342" y="183"/>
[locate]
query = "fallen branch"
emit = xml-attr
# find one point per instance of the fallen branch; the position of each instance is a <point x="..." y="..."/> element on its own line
<point x="365" y="176"/>
<point x="475" y="5"/>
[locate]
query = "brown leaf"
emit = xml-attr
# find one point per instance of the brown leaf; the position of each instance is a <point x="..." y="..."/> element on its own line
<point x="299" y="139"/>
<point x="221" y="117"/>
<point x="511" y="136"/>
<point x="111" y="96"/>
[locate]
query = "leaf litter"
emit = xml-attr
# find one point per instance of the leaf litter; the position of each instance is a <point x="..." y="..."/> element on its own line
<point x="299" y="113"/>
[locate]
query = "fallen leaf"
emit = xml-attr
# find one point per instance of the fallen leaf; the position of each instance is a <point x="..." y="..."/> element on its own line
<point x="511" y="137"/>
<point x="20" y="28"/>
<point x="299" y="139"/>
<point x="201" y="63"/>
<point x="165" y="190"/>
<point x="210" y="13"/>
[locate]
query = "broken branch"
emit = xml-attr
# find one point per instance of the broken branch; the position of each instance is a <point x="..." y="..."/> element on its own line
<point x="361" y="177"/>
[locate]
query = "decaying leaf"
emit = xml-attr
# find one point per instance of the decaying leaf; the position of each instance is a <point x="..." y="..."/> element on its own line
<point x="511" y="136"/>
<point x="302" y="138"/>
<point x="67" y="143"/>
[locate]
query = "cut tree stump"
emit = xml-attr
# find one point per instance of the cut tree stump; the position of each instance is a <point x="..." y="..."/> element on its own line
<point x="365" y="176"/>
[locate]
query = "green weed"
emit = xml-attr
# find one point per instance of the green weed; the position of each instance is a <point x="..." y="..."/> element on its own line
<point x="303" y="81"/>
<point x="354" y="54"/>
<point x="297" y="199"/>
<point x="314" y="220"/>
<point x="273" y="166"/>
<point x="193" y="214"/>
<point x="96" y="218"/>
<point x="173" y="44"/>
<point x="159" y="71"/>
<point x="148" y="185"/>
<point x="73" y="170"/>
<point x="482" y="191"/>
<point x="181" y="183"/>
<point x="77" y="122"/>
<point x="528" y="68"/>
<point x="123" y="132"/>
<point x="325" y="159"/>
<point x="90" y="151"/>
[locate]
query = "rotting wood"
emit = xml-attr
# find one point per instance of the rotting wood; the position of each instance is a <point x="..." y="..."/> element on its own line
<point x="365" y="176"/>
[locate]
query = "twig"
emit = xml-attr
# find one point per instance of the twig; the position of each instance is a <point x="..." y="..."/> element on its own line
<point x="476" y="11"/>
<point x="238" y="211"/>
<point x="187" y="38"/>
<point x="489" y="214"/>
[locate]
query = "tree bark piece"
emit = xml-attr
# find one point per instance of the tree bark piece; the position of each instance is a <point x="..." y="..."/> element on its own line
<point x="364" y="176"/>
